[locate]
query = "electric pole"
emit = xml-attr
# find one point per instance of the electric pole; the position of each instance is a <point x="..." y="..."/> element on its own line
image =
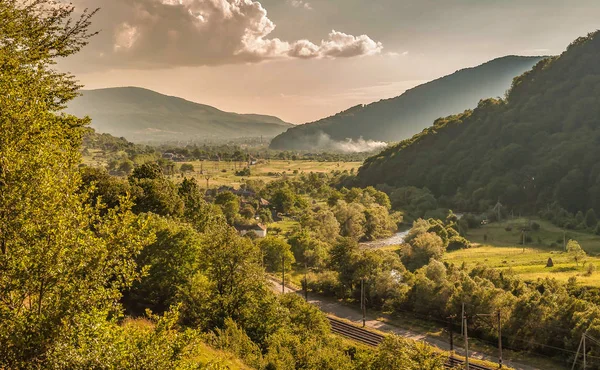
<point x="499" y="339"/>
<point x="462" y="314"/>
<point x="362" y="302"/>
<point x="584" y="357"/>
<point x="498" y="318"/>
<point x="466" y="342"/>
<point x="451" y="332"/>
<point x="305" y="280"/>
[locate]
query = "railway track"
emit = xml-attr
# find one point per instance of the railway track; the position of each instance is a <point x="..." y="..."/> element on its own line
<point x="373" y="339"/>
<point x="355" y="333"/>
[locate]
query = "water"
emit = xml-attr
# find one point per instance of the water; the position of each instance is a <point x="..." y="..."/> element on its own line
<point x="396" y="239"/>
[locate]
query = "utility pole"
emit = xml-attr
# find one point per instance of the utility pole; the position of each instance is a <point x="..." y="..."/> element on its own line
<point x="466" y="342"/>
<point x="582" y="341"/>
<point x="451" y="332"/>
<point x="584" y="357"/>
<point x="499" y="339"/>
<point x="498" y="318"/>
<point x="462" y="314"/>
<point x="305" y="279"/>
<point x="362" y="302"/>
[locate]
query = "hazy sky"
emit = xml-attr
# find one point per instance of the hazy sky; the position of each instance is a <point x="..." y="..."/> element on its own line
<point x="304" y="60"/>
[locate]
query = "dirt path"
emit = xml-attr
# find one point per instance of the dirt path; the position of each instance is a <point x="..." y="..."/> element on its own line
<point x="334" y="308"/>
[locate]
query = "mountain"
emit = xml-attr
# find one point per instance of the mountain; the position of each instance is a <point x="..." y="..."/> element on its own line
<point x="537" y="149"/>
<point x="142" y="115"/>
<point x="401" y="117"/>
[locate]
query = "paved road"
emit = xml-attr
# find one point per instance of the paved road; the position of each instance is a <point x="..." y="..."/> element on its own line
<point x="332" y="307"/>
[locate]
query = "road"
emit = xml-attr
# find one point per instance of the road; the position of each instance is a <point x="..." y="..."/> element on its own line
<point x="333" y="307"/>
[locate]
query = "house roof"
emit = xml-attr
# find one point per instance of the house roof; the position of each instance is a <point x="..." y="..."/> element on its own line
<point x="257" y="227"/>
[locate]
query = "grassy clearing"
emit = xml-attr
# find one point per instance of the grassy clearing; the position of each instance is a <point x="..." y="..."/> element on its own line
<point x="548" y="236"/>
<point x="501" y="250"/>
<point x="223" y="173"/>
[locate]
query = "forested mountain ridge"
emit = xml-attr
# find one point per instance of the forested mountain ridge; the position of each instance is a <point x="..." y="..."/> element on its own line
<point x="401" y="117"/>
<point x="142" y="115"/>
<point x="537" y="147"/>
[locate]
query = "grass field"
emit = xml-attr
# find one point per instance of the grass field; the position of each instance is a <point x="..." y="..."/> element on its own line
<point x="501" y="250"/>
<point x="223" y="173"/>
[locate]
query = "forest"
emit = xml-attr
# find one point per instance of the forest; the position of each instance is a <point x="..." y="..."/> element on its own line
<point x="534" y="151"/>
<point x="99" y="272"/>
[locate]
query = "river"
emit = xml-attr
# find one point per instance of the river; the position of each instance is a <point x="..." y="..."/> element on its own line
<point x="396" y="239"/>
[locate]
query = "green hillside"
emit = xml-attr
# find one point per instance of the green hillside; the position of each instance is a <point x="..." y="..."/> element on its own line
<point x="401" y="117"/>
<point x="536" y="148"/>
<point x="142" y="115"/>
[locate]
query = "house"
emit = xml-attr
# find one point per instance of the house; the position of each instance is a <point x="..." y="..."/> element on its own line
<point x="259" y="229"/>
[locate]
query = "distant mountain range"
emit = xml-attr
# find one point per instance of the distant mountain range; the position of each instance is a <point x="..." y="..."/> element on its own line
<point x="401" y="117"/>
<point x="538" y="148"/>
<point x="142" y="115"/>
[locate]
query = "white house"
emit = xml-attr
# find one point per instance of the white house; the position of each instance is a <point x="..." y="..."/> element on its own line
<point x="259" y="229"/>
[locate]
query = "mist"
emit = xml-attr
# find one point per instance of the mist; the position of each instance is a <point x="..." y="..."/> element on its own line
<point x="359" y="145"/>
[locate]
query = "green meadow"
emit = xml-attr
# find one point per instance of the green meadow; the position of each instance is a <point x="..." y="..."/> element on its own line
<point x="495" y="247"/>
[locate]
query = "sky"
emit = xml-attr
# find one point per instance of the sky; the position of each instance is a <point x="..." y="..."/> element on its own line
<point x="302" y="60"/>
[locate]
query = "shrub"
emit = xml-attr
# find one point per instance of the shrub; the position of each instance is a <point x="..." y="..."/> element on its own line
<point x="458" y="242"/>
<point x="535" y="226"/>
<point x="325" y="282"/>
<point x="243" y="172"/>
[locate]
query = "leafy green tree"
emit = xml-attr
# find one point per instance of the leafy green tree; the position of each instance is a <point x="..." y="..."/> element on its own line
<point x="576" y="252"/>
<point x="591" y="220"/>
<point x="248" y="212"/>
<point x="396" y="353"/>
<point x="101" y="187"/>
<point x="351" y="217"/>
<point x="421" y="250"/>
<point x="276" y="254"/>
<point x="167" y="264"/>
<point x="308" y="250"/>
<point x="126" y="166"/>
<point x="59" y="257"/>
<point x="230" y="205"/>
<point x="186" y="167"/>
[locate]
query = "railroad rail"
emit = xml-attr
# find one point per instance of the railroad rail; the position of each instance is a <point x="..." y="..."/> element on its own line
<point x="373" y="339"/>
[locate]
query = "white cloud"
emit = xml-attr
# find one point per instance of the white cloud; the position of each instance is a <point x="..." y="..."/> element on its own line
<point x="172" y="33"/>
<point x="337" y="45"/>
<point x="300" y="4"/>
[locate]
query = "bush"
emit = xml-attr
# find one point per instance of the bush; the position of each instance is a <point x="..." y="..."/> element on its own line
<point x="535" y="226"/>
<point x="326" y="282"/>
<point x="458" y="242"/>
<point x="244" y="172"/>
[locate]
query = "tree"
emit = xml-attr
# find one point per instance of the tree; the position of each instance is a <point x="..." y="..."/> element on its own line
<point x="230" y="204"/>
<point x="352" y="219"/>
<point x="590" y="218"/>
<point x="169" y="262"/>
<point x="59" y="257"/>
<point x="186" y="167"/>
<point x="421" y="250"/>
<point x="248" y="212"/>
<point x="576" y="252"/>
<point x="276" y="254"/>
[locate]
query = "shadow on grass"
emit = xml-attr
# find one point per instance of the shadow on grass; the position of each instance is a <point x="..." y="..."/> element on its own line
<point x="564" y="269"/>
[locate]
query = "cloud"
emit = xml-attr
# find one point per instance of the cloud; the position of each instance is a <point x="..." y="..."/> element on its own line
<point x="300" y="4"/>
<point x="173" y="33"/>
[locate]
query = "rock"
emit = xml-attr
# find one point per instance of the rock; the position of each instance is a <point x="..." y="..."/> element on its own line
<point x="550" y="263"/>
